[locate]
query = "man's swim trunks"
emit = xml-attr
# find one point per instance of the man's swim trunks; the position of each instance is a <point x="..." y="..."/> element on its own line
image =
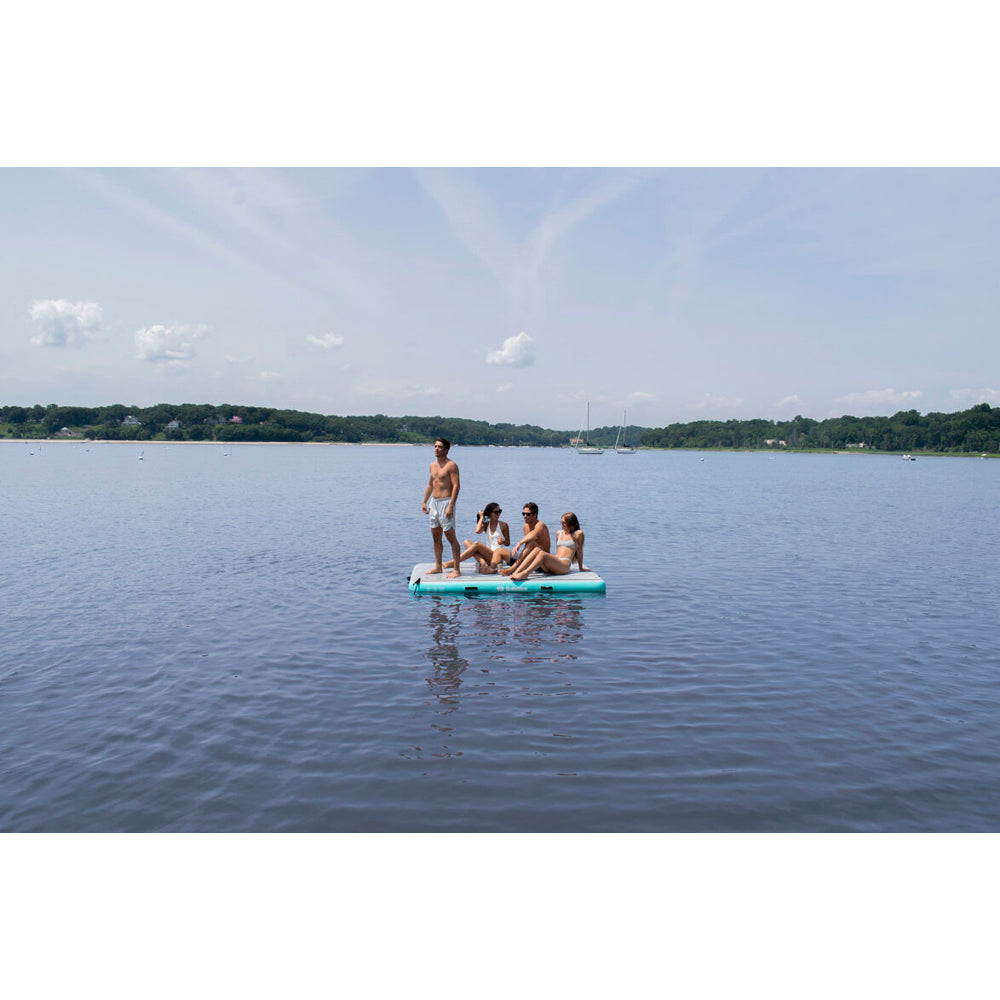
<point x="438" y="506"/>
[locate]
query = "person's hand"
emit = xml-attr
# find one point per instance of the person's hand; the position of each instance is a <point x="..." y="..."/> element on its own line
<point x="423" y="507"/>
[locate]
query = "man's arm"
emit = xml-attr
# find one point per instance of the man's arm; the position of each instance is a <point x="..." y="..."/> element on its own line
<point x="529" y="536"/>
<point x="455" y="487"/>
<point x="427" y="493"/>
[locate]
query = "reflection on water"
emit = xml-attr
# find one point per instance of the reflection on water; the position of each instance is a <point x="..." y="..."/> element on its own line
<point x="478" y="645"/>
<point x="448" y="665"/>
<point x="510" y="629"/>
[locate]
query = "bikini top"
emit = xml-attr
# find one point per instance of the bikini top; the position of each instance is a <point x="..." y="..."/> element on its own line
<point x="561" y="543"/>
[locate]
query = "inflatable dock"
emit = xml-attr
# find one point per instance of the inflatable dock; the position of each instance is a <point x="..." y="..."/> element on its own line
<point x="422" y="581"/>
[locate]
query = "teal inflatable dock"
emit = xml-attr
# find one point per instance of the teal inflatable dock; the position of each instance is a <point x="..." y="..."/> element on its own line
<point x="422" y="581"/>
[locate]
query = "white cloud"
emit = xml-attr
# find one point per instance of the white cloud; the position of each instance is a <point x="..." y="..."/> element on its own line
<point x="640" y="397"/>
<point x="327" y="341"/>
<point x="483" y="228"/>
<point x="519" y="352"/>
<point x="506" y="387"/>
<point x="170" y="345"/>
<point x="880" y="397"/>
<point x="787" y="401"/>
<point x="970" y="397"/>
<point x="710" y="402"/>
<point x="62" y="323"/>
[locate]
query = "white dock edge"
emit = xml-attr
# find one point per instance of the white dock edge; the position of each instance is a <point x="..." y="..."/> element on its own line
<point x="422" y="581"/>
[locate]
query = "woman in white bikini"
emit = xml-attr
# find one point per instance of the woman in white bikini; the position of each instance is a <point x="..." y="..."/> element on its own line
<point x="569" y="546"/>
<point x="495" y="550"/>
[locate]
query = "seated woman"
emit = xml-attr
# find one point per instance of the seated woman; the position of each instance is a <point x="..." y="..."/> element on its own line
<point x="569" y="546"/>
<point x="494" y="552"/>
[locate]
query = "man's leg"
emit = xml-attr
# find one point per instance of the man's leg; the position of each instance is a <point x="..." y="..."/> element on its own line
<point x="456" y="552"/>
<point x="438" y="548"/>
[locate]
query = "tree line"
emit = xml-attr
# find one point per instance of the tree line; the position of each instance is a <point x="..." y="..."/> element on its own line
<point x="974" y="430"/>
<point x="968" y="431"/>
<point x="233" y="423"/>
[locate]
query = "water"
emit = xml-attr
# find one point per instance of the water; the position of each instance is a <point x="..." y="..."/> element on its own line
<point x="211" y="642"/>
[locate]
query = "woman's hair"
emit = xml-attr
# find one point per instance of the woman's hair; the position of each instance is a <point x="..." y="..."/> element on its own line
<point x="571" y="522"/>
<point x="489" y="508"/>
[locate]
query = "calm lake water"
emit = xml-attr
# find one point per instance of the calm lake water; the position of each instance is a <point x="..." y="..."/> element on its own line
<point x="221" y="639"/>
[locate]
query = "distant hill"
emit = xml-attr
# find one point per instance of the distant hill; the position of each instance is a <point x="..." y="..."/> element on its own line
<point x="975" y="430"/>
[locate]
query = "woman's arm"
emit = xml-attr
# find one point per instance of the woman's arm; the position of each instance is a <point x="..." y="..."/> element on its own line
<point x="579" y="549"/>
<point x="481" y="523"/>
<point x="505" y="531"/>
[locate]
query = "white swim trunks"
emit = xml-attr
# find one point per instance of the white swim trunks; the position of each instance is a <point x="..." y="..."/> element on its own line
<point x="437" y="507"/>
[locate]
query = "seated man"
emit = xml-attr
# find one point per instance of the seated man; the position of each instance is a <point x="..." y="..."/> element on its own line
<point x="536" y="539"/>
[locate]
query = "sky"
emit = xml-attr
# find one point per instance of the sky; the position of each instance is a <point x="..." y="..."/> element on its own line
<point x="504" y="294"/>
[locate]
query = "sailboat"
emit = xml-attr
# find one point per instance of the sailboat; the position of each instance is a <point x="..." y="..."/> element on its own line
<point x="621" y="448"/>
<point x="587" y="448"/>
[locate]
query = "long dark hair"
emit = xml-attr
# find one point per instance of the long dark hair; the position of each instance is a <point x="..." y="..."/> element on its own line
<point x="489" y="508"/>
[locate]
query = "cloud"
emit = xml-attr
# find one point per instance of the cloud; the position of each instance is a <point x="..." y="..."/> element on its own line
<point x="880" y="398"/>
<point x="970" y="397"/>
<point x="327" y="341"/>
<point x="518" y="352"/>
<point x="787" y="401"/>
<point x="710" y="402"/>
<point x="62" y="323"/>
<point x="506" y="387"/>
<point x="519" y="266"/>
<point x="172" y="346"/>
<point x="640" y="397"/>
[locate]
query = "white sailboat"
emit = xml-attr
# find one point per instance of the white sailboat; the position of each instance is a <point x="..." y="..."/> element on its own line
<point x="621" y="448"/>
<point x="587" y="448"/>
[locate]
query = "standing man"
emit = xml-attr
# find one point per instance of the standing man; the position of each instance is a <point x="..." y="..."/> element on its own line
<point x="536" y="536"/>
<point x="442" y="491"/>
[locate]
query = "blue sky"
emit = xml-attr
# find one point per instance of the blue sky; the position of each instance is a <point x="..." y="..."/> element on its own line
<point x="806" y="220"/>
<point x="504" y="294"/>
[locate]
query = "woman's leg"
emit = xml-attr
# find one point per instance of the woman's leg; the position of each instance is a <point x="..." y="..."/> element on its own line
<point x="544" y="561"/>
<point x="476" y="549"/>
<point x="499" y="558"/>
<point x="555" y="565"/>
<point x="529" y="564"/>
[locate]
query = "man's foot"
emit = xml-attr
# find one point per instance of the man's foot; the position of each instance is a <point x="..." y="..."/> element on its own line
<point x="437" y="569"/>
<point x="454" y="573"/>
<point x="506" y="570"/>
<point x="488" y="570"/>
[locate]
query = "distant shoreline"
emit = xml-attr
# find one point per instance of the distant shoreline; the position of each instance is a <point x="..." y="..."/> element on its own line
<point x="218" y="444"/>
<point x="410" y="444"/>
